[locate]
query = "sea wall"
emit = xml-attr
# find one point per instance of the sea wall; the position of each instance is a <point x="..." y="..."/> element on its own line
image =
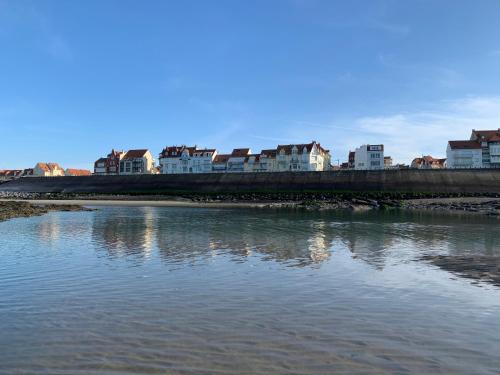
<point x="411" y="180"/>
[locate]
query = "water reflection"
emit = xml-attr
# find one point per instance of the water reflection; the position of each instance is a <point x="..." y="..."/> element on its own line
<point x="125" y="233"/>
<point x="296" y="238"/>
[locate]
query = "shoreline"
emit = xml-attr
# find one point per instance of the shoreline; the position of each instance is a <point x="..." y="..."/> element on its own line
<point x="485" y="206"/>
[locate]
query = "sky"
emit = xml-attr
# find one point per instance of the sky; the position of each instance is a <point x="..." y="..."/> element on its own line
<point x="78" y="78"/>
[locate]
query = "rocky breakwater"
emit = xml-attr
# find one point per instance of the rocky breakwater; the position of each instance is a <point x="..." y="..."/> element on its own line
<point x="475" y="205"/>
<point x="12" y="209"/>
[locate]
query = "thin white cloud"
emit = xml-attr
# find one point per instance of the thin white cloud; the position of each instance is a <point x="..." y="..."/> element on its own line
<point x="407" y="135"/>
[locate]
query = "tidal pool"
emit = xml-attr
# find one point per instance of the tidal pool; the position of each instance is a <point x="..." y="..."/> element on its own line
<point x="156" y="290"/>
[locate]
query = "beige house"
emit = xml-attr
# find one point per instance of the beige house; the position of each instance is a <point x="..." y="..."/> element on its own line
<point x="48" y="170"/>
<point x="137" y="162"/>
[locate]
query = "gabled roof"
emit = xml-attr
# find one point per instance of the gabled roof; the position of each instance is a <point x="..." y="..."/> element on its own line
<point x="240" y="152"/>
<point x="484" y="135"/>
<point x="48" y="167"/>
<point x="176" y="151"/>
<point x="464" y="145"/>
<point x="77" y="172"/>
<point x="300" y="148"/>
<point x="132" y="154"/>
<point x="269" y="153"/>
<point x="10" y="172"/>
<point x="221" y="158"/>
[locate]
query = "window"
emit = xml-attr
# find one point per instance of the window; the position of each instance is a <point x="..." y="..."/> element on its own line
<point x="375" y="156"/>
<point x="127" y="167"/>
<point x="122" y="167"/>
<point x="375" y="163"/>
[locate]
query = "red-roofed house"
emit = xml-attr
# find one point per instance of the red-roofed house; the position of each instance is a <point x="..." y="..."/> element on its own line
<point x="236" y="161"/>
<point x="110" y="164"/>
<point x="464" y="154"/>
<point x="10" y="174"/>
<point x="490" y="146"/>
<point x="48" y="170"/>
<point x="77" y="172"/>
<point x="428" y="162"/>
<point x="137" y="162"/>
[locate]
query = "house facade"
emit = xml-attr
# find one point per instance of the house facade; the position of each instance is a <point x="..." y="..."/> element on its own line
<point x="47" y="170"/>
<point x="302" y="157"/>
<point x="184" y="159"/>
<point x="237" y="160"/>
<point x="464" y="154"/>
<point x="428" y="162"/>
<point x="136" y="162"/>
<point x="299" y="157"/>
<point x="369" y="157"/>
<point x="109" y="165"/>
<point x="490" y="146"/>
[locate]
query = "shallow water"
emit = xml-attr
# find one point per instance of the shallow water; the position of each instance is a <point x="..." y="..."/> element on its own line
<point x="204" y="291"/>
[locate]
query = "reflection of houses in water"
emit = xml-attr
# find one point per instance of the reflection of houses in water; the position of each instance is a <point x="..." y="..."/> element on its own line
<point x="49" y="229"/>
<point x="126" y="232"/>
<point x="275" y="237"/>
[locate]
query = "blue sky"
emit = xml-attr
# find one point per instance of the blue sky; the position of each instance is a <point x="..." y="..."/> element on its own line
<point x="78" y="78"/>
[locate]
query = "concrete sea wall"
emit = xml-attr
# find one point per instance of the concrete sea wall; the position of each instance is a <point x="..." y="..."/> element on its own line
<point x="417" y="181"/>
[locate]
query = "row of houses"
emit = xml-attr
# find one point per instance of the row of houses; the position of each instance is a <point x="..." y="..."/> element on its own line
<point x="191" y="159"/>
<point x="42" y="170"/>
<point x="481" y="150"/>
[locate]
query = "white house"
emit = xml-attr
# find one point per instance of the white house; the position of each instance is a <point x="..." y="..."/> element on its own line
<point x="137" y="162"/>
<point x="236" y="161"/>
<point x="263" y="162"/>
<point x="183" y="159"/>
<point x="490" y="146"/>
<point x="464" y="154"/>
<point x="302" y="157"/>
<point x="369" y="157"/>
<point x="48" y="170"/>
<point x="219" y="164"/>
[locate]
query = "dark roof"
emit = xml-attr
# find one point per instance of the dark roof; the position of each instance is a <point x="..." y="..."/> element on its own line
<point x="269" y="153"/>
<point x="239" y="152"/>
<point x="300" y="147"/>
<point x="484" y="134"/>
<point x="132" y="154"/>
<point x="176" y="151"/>
<point x="464" y="145"/>
<point x="221" y="158"/>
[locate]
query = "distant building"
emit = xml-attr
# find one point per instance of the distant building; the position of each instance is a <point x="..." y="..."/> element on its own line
<point x="10" y="174"/>
<point x="110" y="164"/>
<point x="369" y="157"/>
<point x="77" y="172"/>
<point x="351" y="160"/>
<point x="298" y="157"/>
<point x="482" y="150"/>
<point x="464" y="154"/>
<point x="387" y="162"/>
<point x="28" y="172"/>
<point x="137" y="162"/>
<point x="490" y="146"/>
<point x="263" y="162"/>
<point x="184" y="159"/>
<point x="219" y="164"/>
<point x="236" y="161"/>
<point x="302" y="157"/>
<point x="428" y="162"/>
<point x="48" y="170"/>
